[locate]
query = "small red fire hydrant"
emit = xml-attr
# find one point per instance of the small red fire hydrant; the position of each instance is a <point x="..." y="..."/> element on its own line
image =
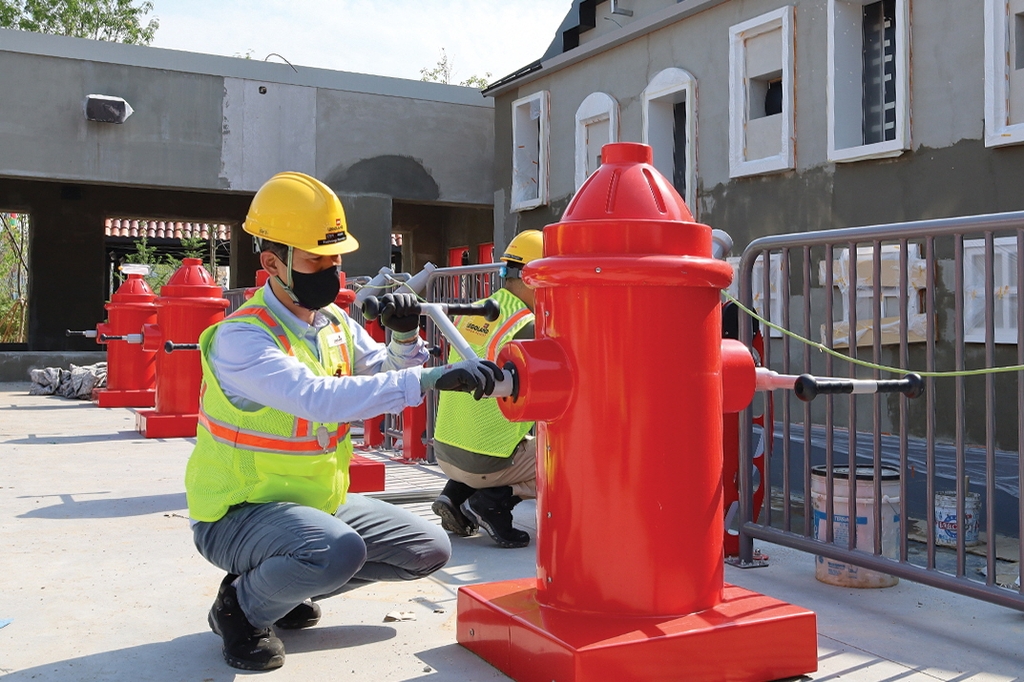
<point x="189" y="303"/>
<point x="628" y="378"/>
<point x="131" y="370"/>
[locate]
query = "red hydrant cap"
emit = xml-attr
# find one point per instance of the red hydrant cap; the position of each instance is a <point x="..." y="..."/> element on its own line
<point x="191" y="280"/>
<point x="627" y="187"/>
<point x="135" y="289"/>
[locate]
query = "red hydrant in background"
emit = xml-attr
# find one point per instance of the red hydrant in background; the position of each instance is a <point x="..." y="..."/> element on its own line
<point x="630" y="520"/>
<point x="131" y="370"/>
<point x="189" y="303"/>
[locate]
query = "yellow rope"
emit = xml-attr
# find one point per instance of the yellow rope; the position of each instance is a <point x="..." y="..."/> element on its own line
<point x="864" y="363"/>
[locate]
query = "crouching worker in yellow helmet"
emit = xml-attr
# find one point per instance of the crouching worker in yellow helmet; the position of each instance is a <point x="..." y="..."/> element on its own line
<point x="282" y="378"/>
<point x="490" y="461"/>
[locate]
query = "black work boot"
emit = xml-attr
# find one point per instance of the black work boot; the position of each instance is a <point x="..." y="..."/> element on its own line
<point x="305" y="615"/>
<point x="447" y="507"/>
<point x="491" y="508"/>
<point x="245" y="646"/>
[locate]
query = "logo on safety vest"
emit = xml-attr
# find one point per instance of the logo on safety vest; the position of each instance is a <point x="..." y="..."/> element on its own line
<point x="482" y="330"/>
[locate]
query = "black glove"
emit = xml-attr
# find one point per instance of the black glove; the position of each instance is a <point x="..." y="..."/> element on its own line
<point x="470" y="376"/>
<point x="400" y="312"/>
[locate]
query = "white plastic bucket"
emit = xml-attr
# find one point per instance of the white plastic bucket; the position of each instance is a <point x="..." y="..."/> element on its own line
<point x="840" y="573"/>
<point x="945" y="519"/>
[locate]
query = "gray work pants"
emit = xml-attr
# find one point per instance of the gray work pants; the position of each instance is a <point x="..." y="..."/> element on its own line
<point x="285" y="553"/>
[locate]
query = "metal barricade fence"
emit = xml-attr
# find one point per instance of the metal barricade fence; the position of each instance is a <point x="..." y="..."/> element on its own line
<point x="466" y="284"/>
<point x="392" y="423"/>
<point x="935" y="296"/>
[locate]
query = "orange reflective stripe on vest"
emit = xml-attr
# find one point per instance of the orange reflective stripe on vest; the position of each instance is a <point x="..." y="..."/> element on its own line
<point x="264" y="316"/>
<point x="263" y="442"/>
<point x="492" y="345"/>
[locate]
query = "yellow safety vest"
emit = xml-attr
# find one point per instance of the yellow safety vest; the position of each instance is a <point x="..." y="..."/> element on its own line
<point x="268" y="455"/>
<point x="478" y="425"/>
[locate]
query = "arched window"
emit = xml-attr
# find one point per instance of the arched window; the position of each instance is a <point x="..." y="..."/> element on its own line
<point x="597" y="124"/>
<point x="670" y="128"/>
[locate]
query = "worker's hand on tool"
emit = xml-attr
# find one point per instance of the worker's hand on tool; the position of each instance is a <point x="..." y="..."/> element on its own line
<point x="474" y="376"/>
<point x="400" y="312"/>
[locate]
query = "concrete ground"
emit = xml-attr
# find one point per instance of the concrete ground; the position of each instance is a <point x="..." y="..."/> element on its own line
<point x="100" y="580"/>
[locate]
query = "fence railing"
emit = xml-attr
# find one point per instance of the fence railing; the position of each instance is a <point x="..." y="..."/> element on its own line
<point x="465" y="284"/>
<point x="939" y="297"/>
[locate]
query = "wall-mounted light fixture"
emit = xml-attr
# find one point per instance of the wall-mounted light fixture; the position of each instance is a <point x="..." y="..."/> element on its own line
<point x="107" y="109"/>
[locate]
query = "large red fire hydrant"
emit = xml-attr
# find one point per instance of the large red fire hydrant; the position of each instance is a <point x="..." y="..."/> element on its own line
<point x="630" y="522"/>
<point x="189" y="303"/>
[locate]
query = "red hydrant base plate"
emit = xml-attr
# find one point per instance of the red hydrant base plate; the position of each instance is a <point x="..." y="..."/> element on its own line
<point x="365" y="475"/>
<point x="126" y="398"/>
<point x="153" y="424"/>
<point x="749" y="636"/>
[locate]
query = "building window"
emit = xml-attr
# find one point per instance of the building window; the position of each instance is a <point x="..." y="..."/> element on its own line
<point x="761" y="94"/>
<point x="889" y="290"/>
<point x="868" y="79"/>
<point x="530" y="131"/>
<point x="670" y="128"/>
<point x="597" y="124"/>
<point x="1004" y="72"/>
<point x="1004" y="292"/>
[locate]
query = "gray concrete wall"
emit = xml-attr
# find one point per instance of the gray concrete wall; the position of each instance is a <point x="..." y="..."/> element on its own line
<point x="948" y="171"/>
<point x="217" y="123"/>
<point x="206" y="132"/>
<point x="17" y="365"/>
<point x="932" y="179"/>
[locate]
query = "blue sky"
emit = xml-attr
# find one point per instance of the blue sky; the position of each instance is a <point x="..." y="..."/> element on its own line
<point x="384" y="37"/>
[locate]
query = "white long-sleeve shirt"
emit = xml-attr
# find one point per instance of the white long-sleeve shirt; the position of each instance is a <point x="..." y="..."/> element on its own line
<point x="254" y="372"/>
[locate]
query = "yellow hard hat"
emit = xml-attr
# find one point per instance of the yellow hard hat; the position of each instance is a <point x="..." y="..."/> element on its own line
<point x="526" y="246"/>
<point x="297" y="210"/>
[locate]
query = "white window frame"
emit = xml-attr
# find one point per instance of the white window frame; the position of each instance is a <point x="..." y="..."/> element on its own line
<point x="757" y="288"/>
<point x="530" y="151"/>
<point x="998" y="129"/>
<point x="665" y="87"/>
<point x="595" y="108"/>
<point x="974" y="291"/>
<point x="739" y="88"/>
<point x="845" y="87"/>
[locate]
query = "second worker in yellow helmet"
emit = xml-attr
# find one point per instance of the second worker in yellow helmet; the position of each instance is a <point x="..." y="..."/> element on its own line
<point x="490" y="461"/>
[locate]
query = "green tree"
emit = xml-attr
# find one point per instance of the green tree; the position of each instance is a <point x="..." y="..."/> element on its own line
<point x="444" y="71"/>
<point x="161" y="267"/>
<point x="118" y="21"/>
<point x="13" y="277"/>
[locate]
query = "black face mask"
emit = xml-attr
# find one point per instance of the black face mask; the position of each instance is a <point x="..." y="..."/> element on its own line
<point x="316" y="290"/>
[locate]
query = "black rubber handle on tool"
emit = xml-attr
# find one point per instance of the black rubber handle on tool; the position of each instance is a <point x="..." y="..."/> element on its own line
<point x="489" y="309"/>
<point x="808" y="387"/>
<point x="170" y="346"/>
<point x="911" y="385"/>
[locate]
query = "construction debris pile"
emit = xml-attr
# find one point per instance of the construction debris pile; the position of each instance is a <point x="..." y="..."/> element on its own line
<point x="77" y="382"/>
